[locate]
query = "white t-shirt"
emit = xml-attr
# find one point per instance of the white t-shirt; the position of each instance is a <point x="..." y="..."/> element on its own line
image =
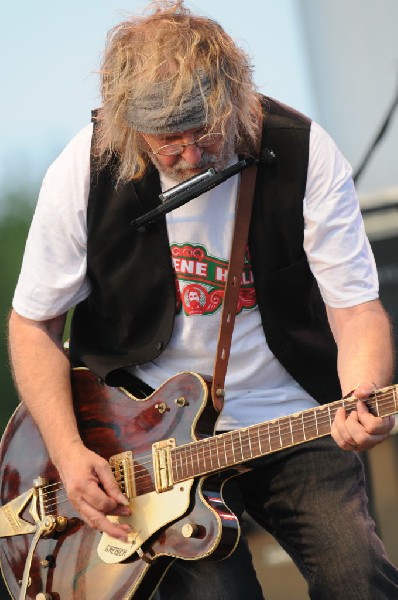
<point x="53" y="275"/>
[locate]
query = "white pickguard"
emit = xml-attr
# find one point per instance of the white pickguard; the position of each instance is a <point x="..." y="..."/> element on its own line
<point x="149" y="513"/>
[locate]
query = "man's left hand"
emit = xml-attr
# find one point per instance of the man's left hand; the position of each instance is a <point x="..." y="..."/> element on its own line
<point x="360" y="430"/>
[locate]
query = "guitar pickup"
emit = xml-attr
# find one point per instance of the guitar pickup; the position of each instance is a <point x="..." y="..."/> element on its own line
<point x="122" y="466"/>
<point x="162" y="464"/>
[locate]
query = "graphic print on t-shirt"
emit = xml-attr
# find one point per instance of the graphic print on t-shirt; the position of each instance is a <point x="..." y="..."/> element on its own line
<point x="201" y="278"/>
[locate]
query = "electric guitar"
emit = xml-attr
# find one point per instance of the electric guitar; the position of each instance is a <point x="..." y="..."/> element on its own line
<point x="169" y="465"/>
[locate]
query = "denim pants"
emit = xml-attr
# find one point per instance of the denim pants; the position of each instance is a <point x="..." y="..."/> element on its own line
<point x="312" y="499"/>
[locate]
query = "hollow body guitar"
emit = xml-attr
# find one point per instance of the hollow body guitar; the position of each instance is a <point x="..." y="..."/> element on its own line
<point x="170" y="466"/>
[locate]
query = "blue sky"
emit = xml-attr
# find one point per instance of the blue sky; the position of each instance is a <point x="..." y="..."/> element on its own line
<point x="50" y="52"/>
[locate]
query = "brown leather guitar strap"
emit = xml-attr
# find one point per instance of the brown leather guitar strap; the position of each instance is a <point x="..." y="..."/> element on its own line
<point x="233" y="283"/>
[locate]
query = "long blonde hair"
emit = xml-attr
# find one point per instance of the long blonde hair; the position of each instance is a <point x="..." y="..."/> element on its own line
<point x="171" y="44"/>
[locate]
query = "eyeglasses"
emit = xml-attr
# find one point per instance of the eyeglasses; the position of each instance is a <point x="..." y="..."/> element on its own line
<point x="204" y="141"/>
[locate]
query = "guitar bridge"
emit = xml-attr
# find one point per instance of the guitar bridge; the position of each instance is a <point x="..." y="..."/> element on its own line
<point x="122" y="466"/>
<point x="162" y="464"/>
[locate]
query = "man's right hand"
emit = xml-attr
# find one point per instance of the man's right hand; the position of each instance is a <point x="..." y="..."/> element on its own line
<point x="92" y="489"/>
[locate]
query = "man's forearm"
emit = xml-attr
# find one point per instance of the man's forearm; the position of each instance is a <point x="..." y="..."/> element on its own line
<point x="42" y="374"/>
<point x="365" y="348"/>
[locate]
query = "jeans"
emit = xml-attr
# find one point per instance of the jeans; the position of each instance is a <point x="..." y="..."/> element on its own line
<point x="312" y="499"/>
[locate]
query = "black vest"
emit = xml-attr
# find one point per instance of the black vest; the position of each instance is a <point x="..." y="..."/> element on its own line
<point x="129" y="315"/>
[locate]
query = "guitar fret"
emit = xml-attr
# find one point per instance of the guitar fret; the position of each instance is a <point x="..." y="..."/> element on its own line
<point x="181" y="463"/>
<point x="208" y="448"/>
<point x="205" y="457"/>
<point x="221" y="446"/>
<point x="250" y="445"/>
<point x="245" y="445"/>
<point x="263" y="439"/>
<point x="291" y="429"/>
<point x="227" y="444"/>
<point x="185" y="469"/>
<point x="240" y="445"/>
<point x="201" y="457"/>
<point x="260" y="447"/>
<point x="311" y="425"/>
<point x="197" y="459"/>
<point x="181" y="455"/>
<point x="297" y="429"/>
<point x="233" y="436"/>
<point x="216" y="452"/>
<point x="274" y="436"/>
<point x="303" y="426"/>
<point x="255" y="440"/>
<point x="254" y="450"/>
<point x="323" y="425"/>
<point x="210" y="454"/>
<point x="191" y="461"/>
<point x="178" y="465"/>
<point x="284" y="437"/>
<point x="233" y="446"/>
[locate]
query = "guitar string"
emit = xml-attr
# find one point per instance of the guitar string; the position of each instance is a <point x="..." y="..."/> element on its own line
<point x="285" y="427"/>
<point x="202" y="464"/>
<point x="273" y="433"/>
<point x="264" y="437"/>
<point x="148" y="488"/>
<point x="279" y="430"/>
<point x="268" y="437"/>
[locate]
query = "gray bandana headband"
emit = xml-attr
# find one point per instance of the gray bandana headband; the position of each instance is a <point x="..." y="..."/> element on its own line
<point x="151" y="113"/>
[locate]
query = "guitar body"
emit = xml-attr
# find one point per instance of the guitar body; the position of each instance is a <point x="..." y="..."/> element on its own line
<point x="172" y="469"/>
<point x="67" y="565"/>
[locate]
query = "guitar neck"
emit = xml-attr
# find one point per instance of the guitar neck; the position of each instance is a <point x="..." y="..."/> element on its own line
<point x="232" y="448"/>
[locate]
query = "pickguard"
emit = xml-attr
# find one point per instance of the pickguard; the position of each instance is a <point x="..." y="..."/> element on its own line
<point x="149" y="513"/>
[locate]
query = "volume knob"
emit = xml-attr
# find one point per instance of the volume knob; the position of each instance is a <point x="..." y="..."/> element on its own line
<point x="191" y="530"/>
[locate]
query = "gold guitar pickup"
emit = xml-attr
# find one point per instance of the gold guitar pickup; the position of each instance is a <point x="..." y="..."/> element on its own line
<point x="122" y="466"/>
<point x="162" y="465"/>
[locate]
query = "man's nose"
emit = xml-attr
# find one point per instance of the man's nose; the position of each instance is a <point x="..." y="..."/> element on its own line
<point x="192" y="154"/>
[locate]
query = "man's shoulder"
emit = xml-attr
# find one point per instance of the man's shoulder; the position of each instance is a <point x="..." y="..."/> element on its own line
<point x="281" y="116"/>
<point x="75" y="156"/>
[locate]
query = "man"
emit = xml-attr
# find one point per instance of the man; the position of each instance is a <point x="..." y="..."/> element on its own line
<point x="178" y="98"/>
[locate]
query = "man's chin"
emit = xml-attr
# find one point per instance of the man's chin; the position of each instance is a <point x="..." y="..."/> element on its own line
<point x="187" y="173"/>
<point x="180" y="175"/>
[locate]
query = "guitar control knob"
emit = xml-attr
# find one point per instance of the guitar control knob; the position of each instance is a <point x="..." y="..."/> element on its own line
<point x="48" y="562"/>
<point x="181" y="401"/>
<point x="44" y="596"/>
<point x="61" y="523"/>
<point x="191" y="530"/>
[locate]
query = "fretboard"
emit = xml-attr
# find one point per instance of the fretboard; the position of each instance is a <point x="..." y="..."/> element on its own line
<point x="228" y="449"/>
